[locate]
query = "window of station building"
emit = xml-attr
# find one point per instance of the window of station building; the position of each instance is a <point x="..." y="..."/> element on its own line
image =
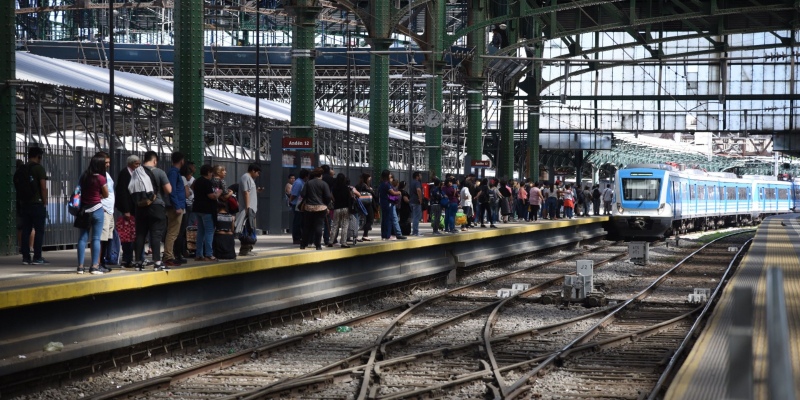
<point x="730" y="193"/>
<point x="641" y="189"/>
<point x="783" y="194"/>
<point x="743" y="194"/>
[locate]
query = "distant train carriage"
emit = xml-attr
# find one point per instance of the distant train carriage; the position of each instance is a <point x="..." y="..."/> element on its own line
<point x="659" y="200"/>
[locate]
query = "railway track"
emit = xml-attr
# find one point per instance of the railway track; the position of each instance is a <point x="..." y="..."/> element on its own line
<point x="466" y="343"/>
<point x="335" y="356"/>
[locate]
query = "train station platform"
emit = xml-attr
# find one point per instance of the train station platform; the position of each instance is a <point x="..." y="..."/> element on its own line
<point x="718" y="367"/>
<point x="95" y="313"/>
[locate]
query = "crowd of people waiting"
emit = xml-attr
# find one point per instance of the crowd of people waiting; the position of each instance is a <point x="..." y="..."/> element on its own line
<point x="322" y="202"/>
<point x="154" y="207"/>
<point x="157" y="207"/>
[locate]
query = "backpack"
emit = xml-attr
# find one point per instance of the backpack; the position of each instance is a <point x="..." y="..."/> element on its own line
<point x="24" y="184"/>
<point x="145" y="199"/>
<point x="74" y="203"/>
<point x="436" y="195"/>
<point x="492" y="196"/>
<point x="596" y="194"/>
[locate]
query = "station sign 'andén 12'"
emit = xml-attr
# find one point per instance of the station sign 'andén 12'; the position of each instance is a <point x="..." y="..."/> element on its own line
<point x="290" y="143"/>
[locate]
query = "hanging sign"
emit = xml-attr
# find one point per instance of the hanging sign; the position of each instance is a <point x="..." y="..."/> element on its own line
<point x="290" y="143"/>
<point x="480" y="164"/>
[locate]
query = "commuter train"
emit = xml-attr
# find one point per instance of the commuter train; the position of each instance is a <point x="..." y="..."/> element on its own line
<point x="654" y="201"/>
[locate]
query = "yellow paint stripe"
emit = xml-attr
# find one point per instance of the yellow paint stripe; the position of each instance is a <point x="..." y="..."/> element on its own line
<point x="289" y="257"/>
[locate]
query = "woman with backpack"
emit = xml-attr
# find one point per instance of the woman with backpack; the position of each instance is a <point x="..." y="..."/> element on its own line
<point x="342" y="200"/>
<point x="451" y="206"/>
<point x="436" y="206"/>
<point x="93" y="189"/>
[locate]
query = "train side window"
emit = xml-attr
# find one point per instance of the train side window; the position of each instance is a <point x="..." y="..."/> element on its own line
<point x="692" y="194"/>
<point x="743" y="193"/>
<point x="721" y="193"/>
<point x="783" y="194"/>
<point x="769" y="193"/>
<point x="701" y="193"/>
<point x="731" y="195"/>
<point x="711" y="191"/>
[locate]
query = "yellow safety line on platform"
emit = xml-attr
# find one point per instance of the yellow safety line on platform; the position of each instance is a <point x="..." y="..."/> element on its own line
<point x="137" y="280"/>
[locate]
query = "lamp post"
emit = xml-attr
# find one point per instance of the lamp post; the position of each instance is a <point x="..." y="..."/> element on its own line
<point x="258" y="81"/>
<point x="411" y="64"/>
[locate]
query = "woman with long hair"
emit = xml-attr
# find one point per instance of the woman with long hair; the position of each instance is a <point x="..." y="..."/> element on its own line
<point x="93" y="189"/>
<point x="365" y="186"/>
<point x="316" y="196"/>
<point x="342" y="198"/>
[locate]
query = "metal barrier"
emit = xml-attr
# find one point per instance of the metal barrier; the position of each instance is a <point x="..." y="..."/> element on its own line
<point x="779" y="360"/>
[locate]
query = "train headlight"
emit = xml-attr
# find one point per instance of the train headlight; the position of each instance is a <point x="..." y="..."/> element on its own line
<point x="620" y="210"/>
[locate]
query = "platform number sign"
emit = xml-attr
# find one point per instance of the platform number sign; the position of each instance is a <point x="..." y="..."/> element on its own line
<point x="584" y="267"/>
<point x="639" y="252"/>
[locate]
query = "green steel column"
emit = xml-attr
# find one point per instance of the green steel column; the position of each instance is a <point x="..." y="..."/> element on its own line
<point x="379" y="108"/>
<point x="533" y="137"/>
<point x="476" y="40"/>
<point x="189" y="76"/>
<point x="534" y="109"/>
<point x="8" y="238"/>
<point x="505" y="165"/>
<point x="433" y="136"/>
<point x="474" y="119"/>
<point x="305" y="14"/>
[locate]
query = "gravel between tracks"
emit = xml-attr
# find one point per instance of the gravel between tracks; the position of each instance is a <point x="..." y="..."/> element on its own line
<point x="623" y="278"/>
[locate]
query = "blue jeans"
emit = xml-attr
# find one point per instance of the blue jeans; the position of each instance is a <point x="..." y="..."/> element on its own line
<point x="33" y="217"/>
<point x="450" y="217"/>
<point x="494" y="213"/>
<point x="416" y="215"/>
<point x="205" y="235"/>
<point x="96" y="226"/>
<point x="396" y="221"/>
<point x="387" y="217"/>
<point x="552" y="207"/>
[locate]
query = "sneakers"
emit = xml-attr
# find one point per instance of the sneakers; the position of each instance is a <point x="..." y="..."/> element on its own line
<point x="38" y="261"/>
<point x="401" y="237"/>
<point x="104" y="270"/>
<point x="492" y="226"/>
<point x="95" y="271"/>
<point x="251" y="254"/>
<point x="172" y="263"/>
<point x="26" y="262"/>
<point x="81" y="270"/>
<point x="161" y="267"/>
<point x="138" y="266"/>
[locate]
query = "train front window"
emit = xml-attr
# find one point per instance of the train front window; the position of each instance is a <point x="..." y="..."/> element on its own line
<point x="640" y="189"/>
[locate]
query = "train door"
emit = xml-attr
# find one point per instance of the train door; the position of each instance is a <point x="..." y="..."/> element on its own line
<point x="677" y="199"/>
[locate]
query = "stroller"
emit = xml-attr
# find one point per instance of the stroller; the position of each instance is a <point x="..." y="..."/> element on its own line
<point x="357" y="219"/>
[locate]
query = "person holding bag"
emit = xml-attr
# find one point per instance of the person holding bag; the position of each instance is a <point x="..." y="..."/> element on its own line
<point x="93" y="189"/>
<point x="316" y="198"/>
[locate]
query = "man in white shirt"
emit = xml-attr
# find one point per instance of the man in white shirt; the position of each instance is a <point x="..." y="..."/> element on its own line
<point x="608" y="197"/>
<point x="248" y="199"/>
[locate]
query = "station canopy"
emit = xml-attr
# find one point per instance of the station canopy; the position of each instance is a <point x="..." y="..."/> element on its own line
<point x="61" y="73"/>
<point x="630" y="148"/>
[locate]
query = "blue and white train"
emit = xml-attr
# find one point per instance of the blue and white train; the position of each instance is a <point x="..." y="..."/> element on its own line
<point x="653" y="201"/>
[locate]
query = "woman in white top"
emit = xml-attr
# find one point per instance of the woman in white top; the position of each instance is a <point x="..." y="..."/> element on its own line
<point x="466" y="206"/>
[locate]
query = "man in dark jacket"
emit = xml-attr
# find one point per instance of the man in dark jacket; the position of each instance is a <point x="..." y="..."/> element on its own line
<point x="124" y="204"/>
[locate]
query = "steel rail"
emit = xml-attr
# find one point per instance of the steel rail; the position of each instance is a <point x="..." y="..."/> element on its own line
<point x="591" y="331"/>
<point x="677" y="355"/>
<point x="248" y="354"/>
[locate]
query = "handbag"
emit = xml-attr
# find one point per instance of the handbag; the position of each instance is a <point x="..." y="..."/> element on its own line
<point x="126" y="229"/>
<point x="83" y="220"/>
<point x="461" y="218"/>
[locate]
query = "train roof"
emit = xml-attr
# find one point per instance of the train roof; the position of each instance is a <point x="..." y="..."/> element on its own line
<point x="665" y="167"/>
